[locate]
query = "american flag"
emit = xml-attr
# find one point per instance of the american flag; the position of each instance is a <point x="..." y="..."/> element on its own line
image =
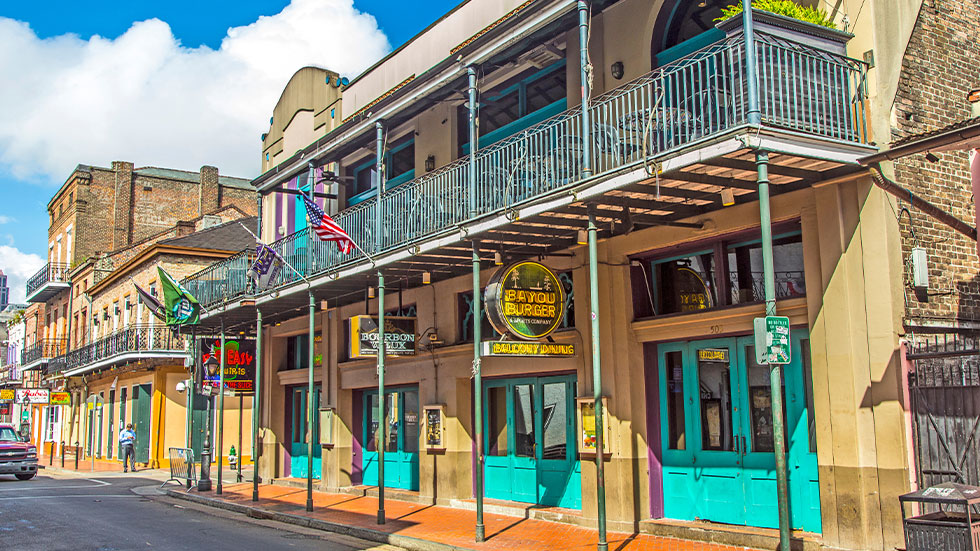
<point x="325" y="228"/>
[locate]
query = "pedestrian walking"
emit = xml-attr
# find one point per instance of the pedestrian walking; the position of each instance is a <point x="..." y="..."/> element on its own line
<point x="127" y="443"/>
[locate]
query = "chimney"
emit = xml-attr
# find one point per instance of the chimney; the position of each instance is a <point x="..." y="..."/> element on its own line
<point x="210" y="201"/>
<point x="974" y="98"/>
<point x="122" y="221"/>
<point x="185" y="228"/>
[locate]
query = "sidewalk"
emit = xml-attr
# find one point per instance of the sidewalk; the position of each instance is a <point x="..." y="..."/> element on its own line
<point x="425" y="527"/>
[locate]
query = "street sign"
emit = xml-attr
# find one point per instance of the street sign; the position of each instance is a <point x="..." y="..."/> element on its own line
<point x="95" y="402"/>
<point x="772" y="340"/>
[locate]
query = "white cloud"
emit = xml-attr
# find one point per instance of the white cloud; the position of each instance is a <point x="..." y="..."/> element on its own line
<point x="18" y="266"/>
<point x="6" y="219"/>
<point x="143" y="97"/>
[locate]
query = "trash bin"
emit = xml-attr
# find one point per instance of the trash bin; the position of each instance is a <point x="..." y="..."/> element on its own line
<point x="954" y="527"/>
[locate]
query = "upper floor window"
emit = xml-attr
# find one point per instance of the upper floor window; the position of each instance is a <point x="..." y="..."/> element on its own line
<point x="298" y="351"/>
<point x="523" y="100"/>
<point x="399" y="163"/>
<point x="717" y="274"/>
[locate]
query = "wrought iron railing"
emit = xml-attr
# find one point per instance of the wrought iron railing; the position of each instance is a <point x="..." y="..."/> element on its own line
<point x="135" y="338"/>
<point x="695" y="98"/>
<point x="43" y="349"/>
<point x="50" y="272"/>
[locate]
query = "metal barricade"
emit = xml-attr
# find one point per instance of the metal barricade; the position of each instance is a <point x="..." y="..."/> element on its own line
<point x="182" y="467"/>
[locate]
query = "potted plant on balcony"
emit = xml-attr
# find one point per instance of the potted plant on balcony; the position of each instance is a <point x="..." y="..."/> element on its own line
<point x="786" y="19"/>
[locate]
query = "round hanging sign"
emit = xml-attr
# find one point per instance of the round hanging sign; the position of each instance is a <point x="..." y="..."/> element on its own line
<point x="526" y="300"/>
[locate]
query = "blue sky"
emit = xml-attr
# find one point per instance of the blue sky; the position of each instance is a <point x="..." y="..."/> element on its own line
<point x="130" y="80"/>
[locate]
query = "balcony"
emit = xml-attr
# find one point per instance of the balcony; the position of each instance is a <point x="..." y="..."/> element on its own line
<point x="134" y="343"/>
<point x="38" y="354"/>
<point x="662" y="148"/>
<point x="48" y="282"/>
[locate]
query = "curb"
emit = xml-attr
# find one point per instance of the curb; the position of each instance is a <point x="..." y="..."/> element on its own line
<point x="376" y="536"/>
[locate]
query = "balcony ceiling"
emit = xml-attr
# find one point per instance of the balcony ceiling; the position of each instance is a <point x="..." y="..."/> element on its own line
<point x="690" y="185"/>
<point x="48" y="291"/>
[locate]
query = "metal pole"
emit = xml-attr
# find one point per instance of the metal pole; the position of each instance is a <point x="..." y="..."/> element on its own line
<point x="221" y="407"/>
<point x="256" y="405"/>
<point x="474" y="138"/>
<point x="597" y="381"/>
<point x="585" y="70"/>
<point x="189" y="422"/>
<point x="241" y="413"/>
<point x="382" y="437"/>
<point x="751" y="72"/>
<point x="478" y="392"/>
<point x="310" y="416"/>
<point x="776" y="372"/>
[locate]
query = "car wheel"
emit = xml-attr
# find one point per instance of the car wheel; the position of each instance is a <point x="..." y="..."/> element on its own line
<point x="25" y="476"/>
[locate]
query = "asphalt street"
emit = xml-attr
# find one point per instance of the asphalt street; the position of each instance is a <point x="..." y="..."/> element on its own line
<point x="110" y="512"/>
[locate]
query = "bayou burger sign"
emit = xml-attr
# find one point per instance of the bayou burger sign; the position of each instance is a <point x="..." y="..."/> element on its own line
<point x="526" y="300"/>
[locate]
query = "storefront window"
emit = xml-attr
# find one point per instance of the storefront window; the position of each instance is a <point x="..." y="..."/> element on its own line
<point x="497" y="421"/>
<point x="724" y="273"/>
<point x="760" y="403"/>
<point x="555" y="415"/>
<point x="676" y="436"/>
<point x="714" y="384"/>
<point x="524" y="420"/>
<point x="684" y="284"/>
<point x="808" y="392"/>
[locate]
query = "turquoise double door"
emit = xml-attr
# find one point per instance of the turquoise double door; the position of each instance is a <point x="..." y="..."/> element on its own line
<point x="299" y="422"/>
<point x="401" y="453"/>
<point x="529" y="442"/>
<point x="717" y="434"/>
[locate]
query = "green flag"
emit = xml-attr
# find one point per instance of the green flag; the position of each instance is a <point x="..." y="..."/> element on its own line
<point x="181" y="307"/>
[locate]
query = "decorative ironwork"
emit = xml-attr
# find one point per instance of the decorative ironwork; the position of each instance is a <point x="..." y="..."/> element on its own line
<point x="43" y="349"/>
<point x="51" y="272"/>
<point x="135" y="338"/>
<point x="695" y="98"/>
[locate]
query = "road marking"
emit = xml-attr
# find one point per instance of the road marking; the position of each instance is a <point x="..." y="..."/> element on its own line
<point x="98" y="484"/>
<point x="90" y="496"/>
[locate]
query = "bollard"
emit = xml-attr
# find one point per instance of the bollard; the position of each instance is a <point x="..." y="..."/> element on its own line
<point x="204" y="482"/>
<point x="62" y="455"/>
<point x="51" y="456"/>
<point x="76" y="454"/>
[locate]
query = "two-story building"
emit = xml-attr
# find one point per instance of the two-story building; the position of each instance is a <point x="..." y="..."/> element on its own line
<point x="674" y="170"/>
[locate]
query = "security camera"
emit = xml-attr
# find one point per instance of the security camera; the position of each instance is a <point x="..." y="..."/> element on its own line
<point x="181" y="386"/>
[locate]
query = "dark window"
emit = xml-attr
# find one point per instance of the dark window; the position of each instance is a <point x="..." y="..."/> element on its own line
<point x="523" y="100"/>
<point x="723" y="273"/>
<point x="406" y="311"/>
<point x="298" y="352"/>
<point x="464" y="309"/>
<point x="566" y="282"/>
<point x="676" y="432"/>
<point x="399" y="168"/>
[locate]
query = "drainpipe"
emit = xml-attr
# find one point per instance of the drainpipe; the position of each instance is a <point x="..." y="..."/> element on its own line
<point x="585" y="69"/>
<point x="221" y="406"/>
<point x="471" y="74"/>
<point x="381" y="438"/>
<point x="309" y="411"/>
<point x="478" y="392"/>
<point x="776" y="371"/>
<point x="257" y="400"/>
<point x="751" y="71"/>
<point x="597" y="380"/>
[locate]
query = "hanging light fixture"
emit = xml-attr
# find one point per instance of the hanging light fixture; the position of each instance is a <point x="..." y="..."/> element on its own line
<point x="727" y="197"/>
<point x="498" y="259"/>
<point x="426" y="278"/>
<point x="370" y="292"/>
<point x="582" y="238"/>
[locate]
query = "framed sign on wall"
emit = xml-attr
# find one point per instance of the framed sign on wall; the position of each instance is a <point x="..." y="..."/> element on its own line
<point x="587" y="426"/>
<point x="435" y="428"/>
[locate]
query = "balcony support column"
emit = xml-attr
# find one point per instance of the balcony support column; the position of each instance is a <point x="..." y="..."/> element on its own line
<point x="585" y="73"/>
<point x="381" y="439"/>
<point x="593" y="247"/>
<point x="257" y="399"/>
<point x="379" y="166"/>
<point x="751" y="67"/>
<point x="221" y="406"/>
<point x="310" y="414"/>
<point x="478" y="392"/>
<point x="189" y="421"/>
<point x="474" y="138"/>
<point x="776" y="370"/>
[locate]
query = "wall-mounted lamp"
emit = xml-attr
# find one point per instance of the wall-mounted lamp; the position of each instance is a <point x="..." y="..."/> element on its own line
<point x="426" y="278"/>
<point x="430" y="163"/>
<point x="727" y="197"/>
<point x="617" y="70"/>
<point x="582" y="237"/>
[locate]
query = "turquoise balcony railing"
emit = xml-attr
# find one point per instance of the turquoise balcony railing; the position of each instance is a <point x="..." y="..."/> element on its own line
<point x="693" y="99"/>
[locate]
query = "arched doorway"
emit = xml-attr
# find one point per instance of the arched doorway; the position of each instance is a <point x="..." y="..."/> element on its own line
<point x="683" y="27"/>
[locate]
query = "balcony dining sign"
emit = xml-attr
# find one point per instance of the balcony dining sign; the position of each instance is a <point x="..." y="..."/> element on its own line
<point x="400" y="336"/>
<point x="526" y="300"/>
<point x="239" y="364"/>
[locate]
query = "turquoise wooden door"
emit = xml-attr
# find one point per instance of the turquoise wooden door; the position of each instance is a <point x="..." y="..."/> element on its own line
<point x="716" y="430"/>
<point x="143" y="395"/>
<point x="199" y="420"/>
<point x="529" y="445"/>
<point x="402" y="451"/>
<point x="299" y="448"/>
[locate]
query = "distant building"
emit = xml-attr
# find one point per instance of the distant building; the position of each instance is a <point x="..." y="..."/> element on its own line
<point x="4" y="291"/>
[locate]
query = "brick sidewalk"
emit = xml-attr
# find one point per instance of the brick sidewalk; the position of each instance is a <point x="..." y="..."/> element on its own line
<point x="450" y="527"/>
